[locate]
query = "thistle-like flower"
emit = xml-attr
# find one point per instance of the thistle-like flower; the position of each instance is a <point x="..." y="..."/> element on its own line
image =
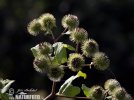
<point x="100" y="61"/>
<point x="45" y="48"/>
<point x="55" y="73"/>
<point x="78" y="35"/>
<point x="47" y="21"/>
<point x="119" y="93"/>
<point x="75" y="61"/>
<point x="34" y="27"/>
<point x="111" y="84"/>
<point x="96" y="93"/>
<point x="89" y="47"/>
<point x="41" y="65"/>
<point x="70" y="21"/>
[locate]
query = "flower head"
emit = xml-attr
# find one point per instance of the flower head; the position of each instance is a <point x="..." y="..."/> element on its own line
<point x="96" y="93"/>
<point x="75" y="61"/>
<point x="111" y="84"/>
<point x="89" y="47"/>
<point x="101" y="61"/>
<point x="78" y="35"/>
<point x="34" y="27"/>
<point x="47" y="21"/>
<point x="70" y="21"/>
<point x="41" y="65"/>
<point x="119" y="93"/>
<point x="55" y="73"/>
<point x="45" y="48"/>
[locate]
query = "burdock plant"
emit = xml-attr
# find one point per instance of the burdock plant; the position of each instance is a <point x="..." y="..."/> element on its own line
<point x="53" y="58"/>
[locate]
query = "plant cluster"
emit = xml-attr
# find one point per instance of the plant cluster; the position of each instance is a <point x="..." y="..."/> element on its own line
<point x="52" y="59"/>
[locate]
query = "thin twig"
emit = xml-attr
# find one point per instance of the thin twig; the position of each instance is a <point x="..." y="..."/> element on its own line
<point x="52" y="94"/>
<point x="77" y="48"/>
<point x="60" y="35"/>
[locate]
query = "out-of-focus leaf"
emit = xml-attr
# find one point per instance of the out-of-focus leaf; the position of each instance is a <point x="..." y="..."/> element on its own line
<point x="4" y="96"/>
<point x="85" y="90"/>
<point x="7" y="86"/>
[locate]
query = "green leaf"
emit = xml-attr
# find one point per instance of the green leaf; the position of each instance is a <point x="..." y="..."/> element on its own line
<point x="4" y="96"/>
<point x="67" y="85"/>
<point x="69" y="47"/>
<point x="80" y="73"/>
<point x="60" y="53"/>
<point x="71" y="91"/>
<point x="85" y="90"/>
<point x="7" y="86"/>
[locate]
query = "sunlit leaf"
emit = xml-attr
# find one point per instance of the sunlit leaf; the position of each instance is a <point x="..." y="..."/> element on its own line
<point x="67" y="85"/>
<point x="85" y="90"/>
<point x="69" y="47"/>
<point x="60" y="53"/>
<point x="71" y="91"/>
<point x="81" y="74"/>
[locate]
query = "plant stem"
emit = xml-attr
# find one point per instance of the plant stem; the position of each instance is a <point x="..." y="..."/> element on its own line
<point x="52" y="94"/>
<point x="77" y="48"/>
<point x="60" y="35"/>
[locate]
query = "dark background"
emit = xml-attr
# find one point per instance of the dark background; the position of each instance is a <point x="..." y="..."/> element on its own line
<point x="109" y="22"/>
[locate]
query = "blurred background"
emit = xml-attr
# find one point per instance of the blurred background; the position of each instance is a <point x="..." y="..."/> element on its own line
<point x="109" y="22"/>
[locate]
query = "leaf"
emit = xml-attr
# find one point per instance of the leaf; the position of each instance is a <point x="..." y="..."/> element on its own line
<point x="85" y="90"/>
<point x="7" y="86"/>
<point x="69" y="47"/>
<point x="4" y="96"/>
<point x="67" y="85"/>
<point x="60" y="53"/>
<point x="80" y="73"/>
<point x="72" y="91"/>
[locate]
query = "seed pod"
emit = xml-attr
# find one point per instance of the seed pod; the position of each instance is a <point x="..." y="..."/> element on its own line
<point x="96" y="93"/>
<point x="47" y="21"/>
<point x="89" y="47"/>
<point x="45" y="48"/>
<point x="75" y="61"/>
<point x="70" y="21"/>
<point x="100" y="61"/>
<point x="34" y="27"/>
<point x="111" y="84"/>
<point x="119" y="93"/>
<point x="55" y="73"/>
<point x="78" y="35"/>
<point x="41" y="65"/>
